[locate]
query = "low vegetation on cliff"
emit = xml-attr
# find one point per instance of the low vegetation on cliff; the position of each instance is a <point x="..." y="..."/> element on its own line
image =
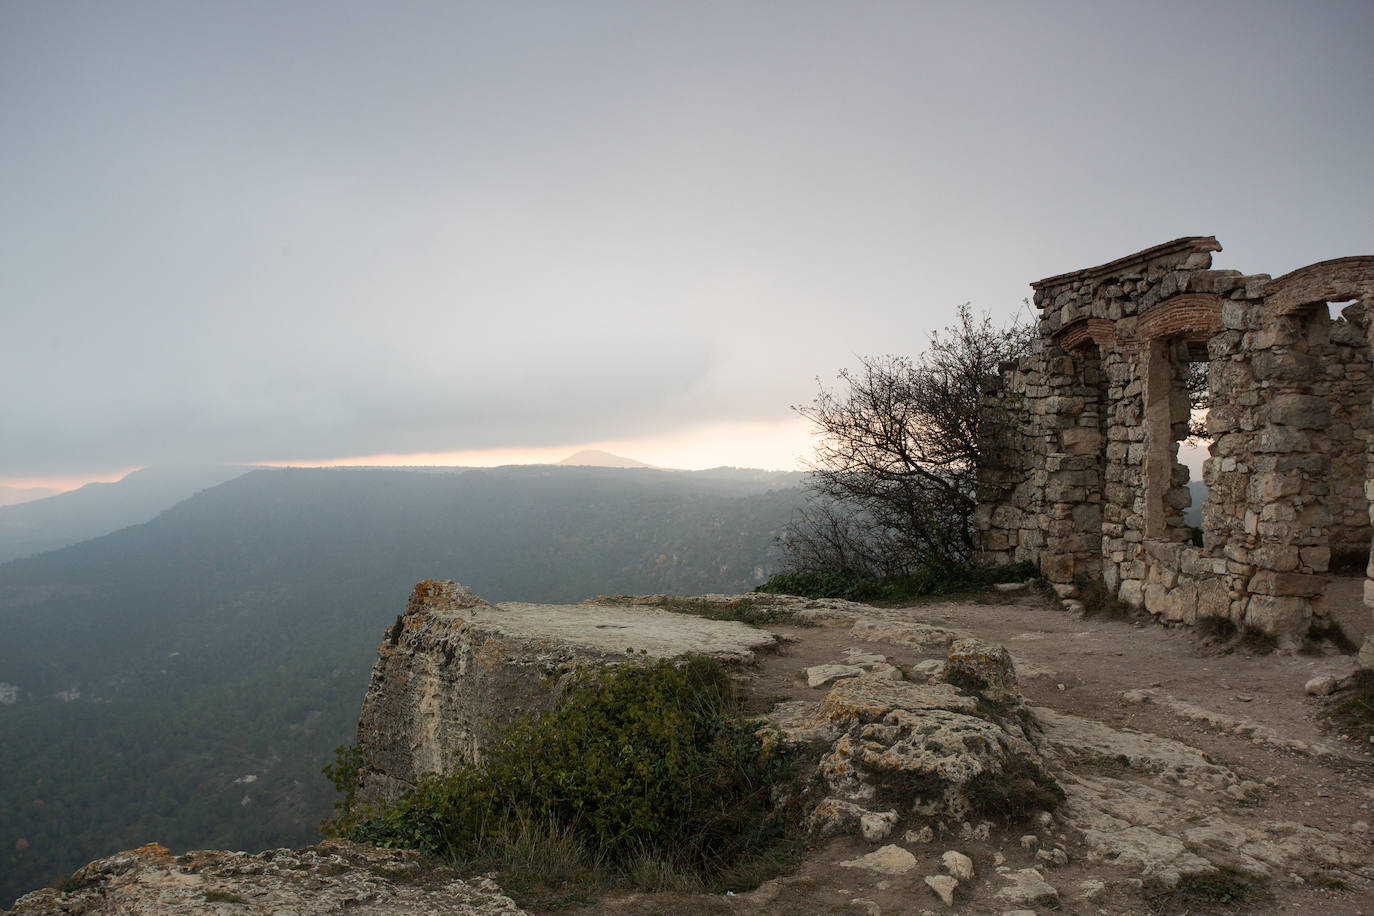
<point x="928" y="580"/>
<point x="646" y="776"/>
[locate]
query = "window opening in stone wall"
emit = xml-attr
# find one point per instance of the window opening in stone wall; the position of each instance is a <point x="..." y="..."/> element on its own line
<point x="1168" y="408"/>
<point x="1193" y="450"/>
<point x="1348" y="385"/>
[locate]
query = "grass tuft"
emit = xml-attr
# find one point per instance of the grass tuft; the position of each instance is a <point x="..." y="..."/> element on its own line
<point x="1201" y="893"/>
<point x="1257" y="642"/>
<point x="753" y="611"/>
<point x="223" y="897"/>
<point x="1215" y="629"/>
<point x="1020" y="790"/>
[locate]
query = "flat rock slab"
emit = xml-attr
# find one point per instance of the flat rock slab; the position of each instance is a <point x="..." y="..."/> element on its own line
<point x="1027" y="886"/>
<point x="611" y="629"/>
<point x="890" y="860"/>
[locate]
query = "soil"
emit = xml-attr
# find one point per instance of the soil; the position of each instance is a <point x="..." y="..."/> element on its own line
<point x="1246" y="712"/>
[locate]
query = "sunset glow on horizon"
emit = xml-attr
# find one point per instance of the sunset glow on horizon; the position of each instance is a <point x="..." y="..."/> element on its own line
<point x="780" y="446"/>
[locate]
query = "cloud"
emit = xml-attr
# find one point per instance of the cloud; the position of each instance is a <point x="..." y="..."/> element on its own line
<point x="286" y="231"/>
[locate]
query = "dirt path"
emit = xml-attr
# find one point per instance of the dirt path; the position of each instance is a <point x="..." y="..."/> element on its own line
<point x="1253" y="779"/>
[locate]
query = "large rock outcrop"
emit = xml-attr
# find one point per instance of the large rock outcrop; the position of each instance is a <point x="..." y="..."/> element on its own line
<point x="454" y="668"/>
<point x="917" y="749"/>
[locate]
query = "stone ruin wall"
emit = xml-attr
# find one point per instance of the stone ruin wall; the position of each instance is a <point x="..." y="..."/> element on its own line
<point x="1083" y="477"/>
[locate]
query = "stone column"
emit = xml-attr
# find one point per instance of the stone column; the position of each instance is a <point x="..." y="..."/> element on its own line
<point x="1073" y="466"/>
<point x="1287" y="495"/>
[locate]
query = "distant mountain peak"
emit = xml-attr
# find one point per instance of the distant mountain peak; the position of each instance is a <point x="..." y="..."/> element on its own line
<point x="598" y="459"/>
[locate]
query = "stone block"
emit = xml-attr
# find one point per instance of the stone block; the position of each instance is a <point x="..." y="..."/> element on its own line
<point x="1183" y="602"/>
<point x="1057" y="567"/>
<point x="1280" y="557"/>
<point x="1269" y="582"/>
<point x="1282" y="616"/>
<point x="1081" y="441"/>
<point x="995" y="540"/>
<point x="1300" y="410"/>
<point x="1132" y="592"/>
<point x="1155" y="595"/>
<point x="1235" y="315"/>
<point x="1165" y="552"/>
<point x="1290" y="366"/>
<point x="1281" y="439"/>
<point x="1213" y="598"/>
<point x="1088" y="517"/>
<point x="1005" y="516"/>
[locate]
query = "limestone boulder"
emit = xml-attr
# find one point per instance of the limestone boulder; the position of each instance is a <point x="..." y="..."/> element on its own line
<point x="987" y="668"/>
<point x="915" y="748"/>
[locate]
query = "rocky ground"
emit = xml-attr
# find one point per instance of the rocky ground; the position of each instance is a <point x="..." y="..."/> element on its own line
<point x="1185" y="772"/>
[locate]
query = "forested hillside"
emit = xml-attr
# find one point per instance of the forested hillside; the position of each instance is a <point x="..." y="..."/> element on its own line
<point x="209" y="661"/>
<point x="96" y="509"/>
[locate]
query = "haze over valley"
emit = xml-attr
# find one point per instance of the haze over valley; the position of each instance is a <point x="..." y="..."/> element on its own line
<point x="185" y="678"/>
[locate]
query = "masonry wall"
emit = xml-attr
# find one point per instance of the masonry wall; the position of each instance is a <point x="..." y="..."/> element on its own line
<point x="1085" y="479"/>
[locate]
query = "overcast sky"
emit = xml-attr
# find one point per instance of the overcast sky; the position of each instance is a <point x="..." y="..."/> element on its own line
<point x="308" y="232"/>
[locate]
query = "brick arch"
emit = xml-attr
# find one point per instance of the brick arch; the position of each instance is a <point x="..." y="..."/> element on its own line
<point x="1084" y="331"/>
<point x="1194" y="317"/>
<point x="1326" y="281"/>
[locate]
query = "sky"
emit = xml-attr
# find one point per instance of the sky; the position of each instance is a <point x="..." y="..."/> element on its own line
<point x="474" y="233"/>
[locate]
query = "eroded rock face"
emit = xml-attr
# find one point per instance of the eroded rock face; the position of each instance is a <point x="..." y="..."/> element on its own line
<point x="333" y="877"/>
<point x="455" y="668"/>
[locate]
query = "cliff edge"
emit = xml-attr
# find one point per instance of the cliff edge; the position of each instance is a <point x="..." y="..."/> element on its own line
<point x="454" y="668"/>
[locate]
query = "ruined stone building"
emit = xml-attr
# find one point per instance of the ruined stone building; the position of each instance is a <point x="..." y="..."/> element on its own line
<point x="1083" y="476"/>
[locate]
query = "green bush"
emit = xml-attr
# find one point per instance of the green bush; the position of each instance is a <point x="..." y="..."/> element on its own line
<point x="930" y="580"/>
<point x="650" y="763"/>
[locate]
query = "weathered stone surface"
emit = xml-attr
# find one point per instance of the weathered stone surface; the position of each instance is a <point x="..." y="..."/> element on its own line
<point x="890" y="860"/>
<point x="334" y="877"/>
<point x="930" y="739"/>
<point x="1027" y="886"/>
<point x="1323" y="685"/>
<point x="958" y="865"/>
<point x="874" y="826"/>
<point x="455" y="667"/>
<point x="973" y="661"/>
<point x="906" y="633"/>
<point x="943" y="886"/>
<point x="820" y="675"/>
